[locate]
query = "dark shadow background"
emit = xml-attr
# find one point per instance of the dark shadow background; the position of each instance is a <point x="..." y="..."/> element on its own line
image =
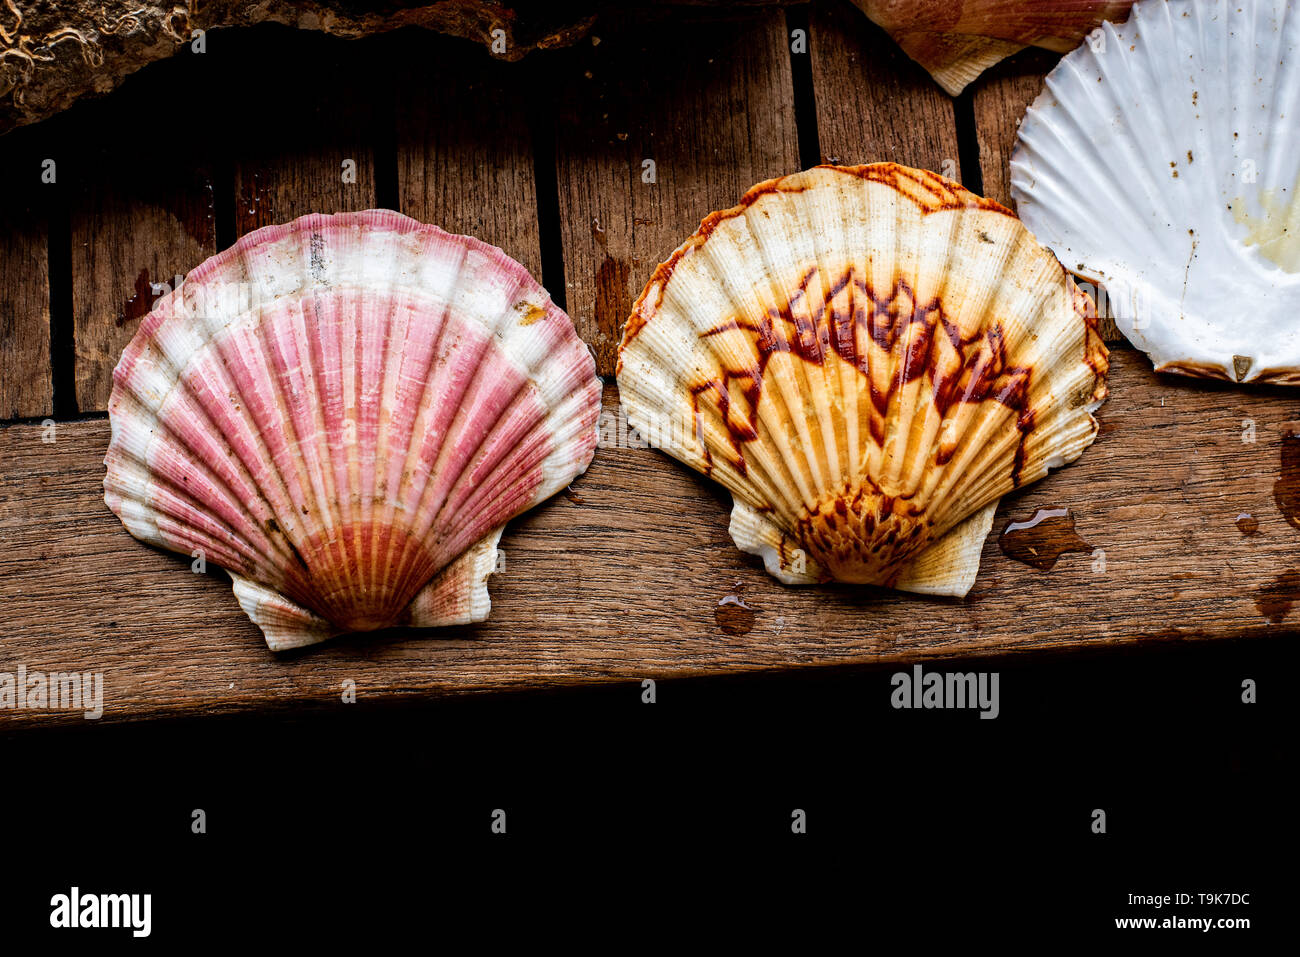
<point x="334" y="823"/>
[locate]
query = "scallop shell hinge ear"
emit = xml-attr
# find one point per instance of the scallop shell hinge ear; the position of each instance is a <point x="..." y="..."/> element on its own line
<point x="867" y="358"/>
<point x="1162" y="160"/>
<point x="344" y="412"/>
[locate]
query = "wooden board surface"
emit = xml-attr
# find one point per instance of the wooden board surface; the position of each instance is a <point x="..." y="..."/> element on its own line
<point x="711" y="131"/>
<point x="26" y="383"/>
<point x="874" y="104"/>
<point x="464" y="145"/>
<point x="621" y="580"/>
<point x="143" y="210"/>
<point x="319" y="152"/>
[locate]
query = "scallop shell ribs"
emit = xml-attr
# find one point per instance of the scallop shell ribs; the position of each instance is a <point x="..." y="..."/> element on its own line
<point x="1162" y="160"/>
<point x="867" y="358"/>
<point x="344" y="412"/>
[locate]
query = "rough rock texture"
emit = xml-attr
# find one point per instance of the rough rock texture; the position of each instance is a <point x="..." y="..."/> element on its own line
<point x="52" y="52"/>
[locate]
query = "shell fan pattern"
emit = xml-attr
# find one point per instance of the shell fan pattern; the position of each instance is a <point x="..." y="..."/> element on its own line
<point x="343" y="412"/>
<point x="867" y="358"/>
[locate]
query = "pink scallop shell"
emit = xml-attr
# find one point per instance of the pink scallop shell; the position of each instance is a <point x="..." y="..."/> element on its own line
<point x="344" y="411"/>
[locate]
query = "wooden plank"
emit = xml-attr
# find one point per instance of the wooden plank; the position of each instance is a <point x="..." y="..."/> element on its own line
<point x="1000" y="97"/>
<point x="875" y="104"/>
<point x="26" y="382"/>
<point x="127" y="235"/>
<point x="316" y="154"/>
<point x="142" y="210"/>
<point x="622" y="580"/>
<point x="707" y="101"/>
<point x="147" y="207"/>
<point x="464" y="145"/>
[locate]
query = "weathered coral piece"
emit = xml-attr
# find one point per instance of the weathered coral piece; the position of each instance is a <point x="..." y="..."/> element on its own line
<point x="343" y="412"/>
<point x="867" y="358"/>
<point x="1162" y="160"/>
<point x="53" y="52"/>
<point x="957" y="40"/>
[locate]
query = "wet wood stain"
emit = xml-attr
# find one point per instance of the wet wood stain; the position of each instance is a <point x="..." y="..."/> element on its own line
<point x="1275" y="599"/>
<point x="1043" y="539"/>
<point x="1286" y="490"/>
<point x="613" y="298"/>
<point x="138" y="305"/>
<point x="733" y="616"/>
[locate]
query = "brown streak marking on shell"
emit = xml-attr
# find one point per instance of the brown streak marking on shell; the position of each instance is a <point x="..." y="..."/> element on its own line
<point x="1095" y="354"/>
<point x="699" y="434"/>
<point x="984" y="373"/>
<point x="1272" y="376"/>
<point x="980" y="381"/>
<point x="1278" y="376"/>
<point x="885" y="324"/>
<point x="1200" y="370"/>
<point x="946" y="194"/>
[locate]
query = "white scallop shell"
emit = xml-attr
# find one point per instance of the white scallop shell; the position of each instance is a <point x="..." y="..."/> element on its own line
<point x="1163" y="160"/>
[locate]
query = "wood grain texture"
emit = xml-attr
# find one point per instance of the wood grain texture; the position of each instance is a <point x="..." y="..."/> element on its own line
<point x="707" y="100"/>
<point x="26" y="383"/>
<point x="296" y="163"/>
<point x="621" y="579"/>
<point x="142" y="209"/>
<point x="874" y="103"/>
<point x="1000" y="97"/>
<point x="145" y="205"/>
<point x="126" y="235"/>
<point x="465" y="148"/>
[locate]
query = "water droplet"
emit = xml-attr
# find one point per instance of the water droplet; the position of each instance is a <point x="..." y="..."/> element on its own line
<point x="733" y="616"/>
<point x="1247" y="524"/>
<point x="1043" y="539"/>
